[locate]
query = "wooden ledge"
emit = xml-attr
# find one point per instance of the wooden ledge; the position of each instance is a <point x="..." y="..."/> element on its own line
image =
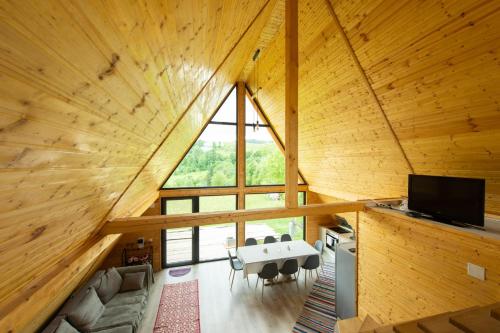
<point x="158" y="222"/>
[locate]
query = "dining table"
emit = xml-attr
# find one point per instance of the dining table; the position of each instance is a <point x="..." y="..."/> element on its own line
<point x="254" y="257"/>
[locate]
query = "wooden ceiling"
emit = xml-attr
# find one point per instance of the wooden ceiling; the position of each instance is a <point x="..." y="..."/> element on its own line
<point x="98" y="100"/>
<point x="396" y="87"/>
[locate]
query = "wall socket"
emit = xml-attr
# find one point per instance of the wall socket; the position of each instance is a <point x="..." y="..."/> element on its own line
<point x="475" y="271"/>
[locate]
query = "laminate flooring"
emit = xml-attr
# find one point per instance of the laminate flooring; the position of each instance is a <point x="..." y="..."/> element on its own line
<point x="240" y="310"/>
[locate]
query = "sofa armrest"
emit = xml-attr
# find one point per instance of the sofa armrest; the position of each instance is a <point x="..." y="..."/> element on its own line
<point x="148" y="269"/>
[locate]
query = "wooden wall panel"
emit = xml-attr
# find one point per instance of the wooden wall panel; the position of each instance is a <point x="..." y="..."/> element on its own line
<point x="410" y="269"/>
<point x="173" y="148"/>
<point x="437" y="80"/>
<point x="114" y="259"/>
<point x="433" y="66"/>
<point x="90" y="89"/>
<point x="343" y="141"/>
<point x="35" y="305"/>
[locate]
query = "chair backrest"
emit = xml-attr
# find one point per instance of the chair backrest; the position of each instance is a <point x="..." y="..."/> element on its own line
<point x="269" y="239"/>
<point x="269" y="271"/>
<point x="250" y="241"/>
<point x="286" y="238"/>
<point x="290" y="266"/>
<point x="312" y="262"/>
<point x="318" y="245"/>
<point x="230" y="259"/>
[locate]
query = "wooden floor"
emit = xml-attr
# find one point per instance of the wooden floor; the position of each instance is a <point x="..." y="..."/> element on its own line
<point x="240" y="310"/>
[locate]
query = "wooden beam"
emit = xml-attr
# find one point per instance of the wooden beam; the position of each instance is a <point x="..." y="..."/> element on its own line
<point x="189" y="192"/>
<point x="271" y="130"/>
<point x="241" y="156"/>
<point x="144" y="223"/>
<point x="291" y="103"/>
<point x="240" y="108"/>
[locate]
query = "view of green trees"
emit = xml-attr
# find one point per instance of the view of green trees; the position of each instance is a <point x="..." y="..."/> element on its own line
<point x="215" y="165"/>
<point x="204" y="166"/>
<point x="265" y="163"/>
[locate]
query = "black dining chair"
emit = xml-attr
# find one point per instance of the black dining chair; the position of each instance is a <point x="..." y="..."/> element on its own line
<point x="236" y="265"/>
<point x="269" y="239"/>
<point x="286" y="238"/>
<point x="290" y="267"/>
<point x="268" y="272"/>
<point x="311" y="263"/>
<point x="250" y="241"/>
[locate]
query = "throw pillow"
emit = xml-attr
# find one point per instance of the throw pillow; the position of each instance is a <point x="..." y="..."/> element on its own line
<point x="65" y="327"/>
<point x="110" y="285"/>
<point x="133" y="281"/>
<point x="86" y="314"/>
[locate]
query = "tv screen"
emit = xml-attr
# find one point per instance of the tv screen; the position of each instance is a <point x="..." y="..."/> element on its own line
<point x="448" y="199"/>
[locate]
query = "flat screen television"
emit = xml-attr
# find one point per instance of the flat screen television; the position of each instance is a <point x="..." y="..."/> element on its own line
<point x="448" y="199"/>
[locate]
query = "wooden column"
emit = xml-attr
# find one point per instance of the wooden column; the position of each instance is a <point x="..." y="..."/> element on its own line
<point x="291" y="103"/>
<point x="241" y="172"/>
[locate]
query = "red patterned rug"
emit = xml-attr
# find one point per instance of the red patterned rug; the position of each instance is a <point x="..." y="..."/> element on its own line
<point x="179" y="310"/>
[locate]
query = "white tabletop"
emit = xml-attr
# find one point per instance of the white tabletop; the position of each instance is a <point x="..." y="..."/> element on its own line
<point x="254" y="257"/>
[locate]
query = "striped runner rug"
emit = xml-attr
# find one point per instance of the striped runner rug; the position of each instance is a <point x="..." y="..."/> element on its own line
<point x="319" y="309"/>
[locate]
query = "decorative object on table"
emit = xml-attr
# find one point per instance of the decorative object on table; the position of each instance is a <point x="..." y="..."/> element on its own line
<point x="140" y="242"/>
<point x="319" y="309"/>
<point x="179" y="309"/>
<point x="176" y="272"/>
<point x="133" y="255"/>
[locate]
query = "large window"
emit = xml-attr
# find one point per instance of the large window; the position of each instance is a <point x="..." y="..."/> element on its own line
<point x="211" y="161"/>
<point x="273" y="227"/>
<point x="191" y="245"/>
<point x="217" y="239"/>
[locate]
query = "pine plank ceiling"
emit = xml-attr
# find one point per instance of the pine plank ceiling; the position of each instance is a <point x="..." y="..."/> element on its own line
<point x="99" y="99"/>
<point x="430" y="103"/>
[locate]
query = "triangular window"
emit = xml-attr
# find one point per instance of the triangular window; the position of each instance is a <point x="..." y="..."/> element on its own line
<point x="211" y="160"/>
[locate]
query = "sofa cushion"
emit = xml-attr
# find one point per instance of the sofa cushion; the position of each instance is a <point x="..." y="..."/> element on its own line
<point x="86" y="314"/>
<point x="111" y="282"/>
<point x="120" y="329"/>
<point x="133" y="281"/>
<point x="54" y="324"/>
<point x="119" y="316"/>
<point x="75" y="299"/>
<point x="126" y="299"/>
<point x="65" y="327"/>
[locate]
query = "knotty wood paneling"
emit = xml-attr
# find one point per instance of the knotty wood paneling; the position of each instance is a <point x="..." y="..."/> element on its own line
<point x="169" y="153"/>
<point x="114" y="259"/>
<point x="410" y="269"/>
<point x="433" y="67"/>
<point x="343" y="141"/>
<point x="90" y="90"/>
<point x="38" y="301"/>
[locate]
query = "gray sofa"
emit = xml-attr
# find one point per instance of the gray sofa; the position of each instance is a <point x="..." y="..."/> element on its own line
<point x="112" y="301"/>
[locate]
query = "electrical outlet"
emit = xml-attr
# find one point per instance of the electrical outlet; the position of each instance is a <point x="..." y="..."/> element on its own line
<point x="475" y="271"/>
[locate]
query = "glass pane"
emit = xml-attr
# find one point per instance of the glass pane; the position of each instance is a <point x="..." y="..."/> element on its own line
<point x="294" y="226"/>
<point x="227" y="111"/>
<point x="210" y="162"/>
<point x="251" y="115"/>
<point x="179" y="206"/>
<point x="265" y="164"/>
<point x="179" y="241"/>
<point x="217" y="239"/>
<point x="215" y="203"/>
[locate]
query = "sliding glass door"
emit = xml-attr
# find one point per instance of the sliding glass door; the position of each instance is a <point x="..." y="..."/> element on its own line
<point x="184" y="246"/>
